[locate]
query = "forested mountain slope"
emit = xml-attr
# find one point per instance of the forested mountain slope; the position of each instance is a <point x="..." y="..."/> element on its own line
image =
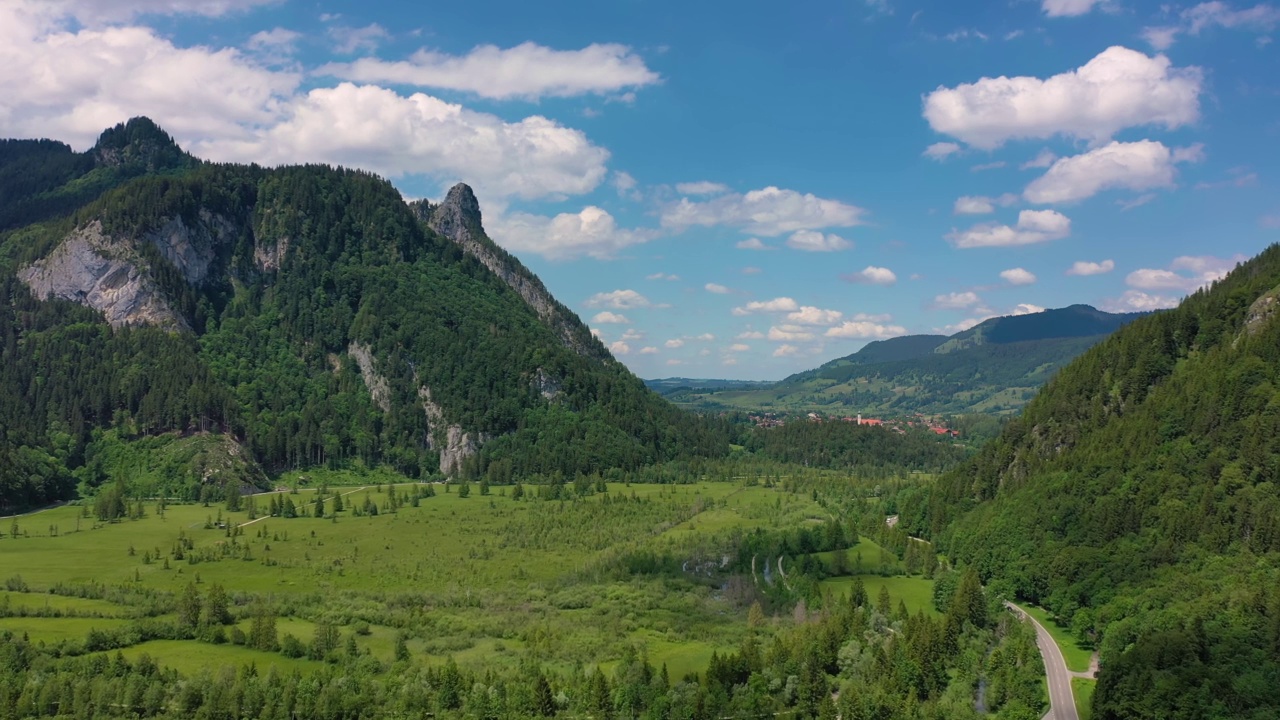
<point x="993" y="367"/>
<point x="306" y="312"/>
<point x="1136" y="497"/>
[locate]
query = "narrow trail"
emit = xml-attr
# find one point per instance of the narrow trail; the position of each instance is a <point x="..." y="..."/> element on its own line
<point x="783" y="573"/>
<point x="310" y="502"/>
<point x="1062" y="703"/>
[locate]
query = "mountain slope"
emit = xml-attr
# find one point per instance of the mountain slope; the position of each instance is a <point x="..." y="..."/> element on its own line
<point x="309" y="314"/>
<point x="1136" y="497"/>
<point x="994" y="367"/>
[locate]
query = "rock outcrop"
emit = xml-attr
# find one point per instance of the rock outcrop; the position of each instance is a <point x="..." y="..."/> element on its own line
<point x="453" y="444"/>
<point x="379" y="388"/>
<point x="458" y="219"/>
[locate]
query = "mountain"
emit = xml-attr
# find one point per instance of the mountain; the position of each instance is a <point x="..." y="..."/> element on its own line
<point x="307" y="314"/>
<point x="1136" y="497"/>
<point x="993" y="367"/>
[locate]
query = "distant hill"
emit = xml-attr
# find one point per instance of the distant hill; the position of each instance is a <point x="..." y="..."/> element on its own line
<point x="664" y="386"/>
<point x="994" y="367"/>
<point x="1136" y="497"/>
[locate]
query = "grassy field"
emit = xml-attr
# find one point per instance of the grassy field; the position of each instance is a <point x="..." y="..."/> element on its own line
<point x="486" y="580"/>
<point x="1077" y="657"/>
<point x="915" y="592"/>
<point x="1083" y="689"/>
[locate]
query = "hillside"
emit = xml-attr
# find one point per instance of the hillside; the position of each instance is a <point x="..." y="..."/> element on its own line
<point x="1136" y="498"/>
<point x="994" y="367"/>
<point x="308" y="314"/>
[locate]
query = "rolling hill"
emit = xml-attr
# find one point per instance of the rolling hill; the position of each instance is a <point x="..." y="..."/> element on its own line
<point x="309" y="315"/>
<point x="994" y="367"/>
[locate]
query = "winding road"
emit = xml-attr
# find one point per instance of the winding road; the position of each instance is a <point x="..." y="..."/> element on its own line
<point x="1062" y="703"/>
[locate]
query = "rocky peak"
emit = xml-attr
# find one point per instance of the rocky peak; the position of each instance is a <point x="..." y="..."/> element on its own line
<point x="457" y="218"/>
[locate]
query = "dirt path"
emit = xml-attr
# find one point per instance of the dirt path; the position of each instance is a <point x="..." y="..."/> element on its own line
<point x="311" y="502"/>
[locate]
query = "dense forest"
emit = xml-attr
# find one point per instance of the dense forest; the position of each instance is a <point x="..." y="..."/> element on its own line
<point x="295" y="271"/>
<point x="1136" y="498"/>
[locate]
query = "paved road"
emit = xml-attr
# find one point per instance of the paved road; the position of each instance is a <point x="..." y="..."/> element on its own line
<point x="1062" y="704"/>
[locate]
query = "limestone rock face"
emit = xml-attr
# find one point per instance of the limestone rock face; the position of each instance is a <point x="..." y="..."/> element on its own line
<point x="378" y="387"/>
<point x="452" y="442"/>
<point x="96" y="271"/>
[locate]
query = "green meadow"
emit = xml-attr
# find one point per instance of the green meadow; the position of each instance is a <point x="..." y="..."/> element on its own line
<point x="486" y="580"/>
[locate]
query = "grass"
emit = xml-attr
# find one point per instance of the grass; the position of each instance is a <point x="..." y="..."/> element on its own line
<point x="486" y="580"/>
<point x="1076" y="655"/>
<point x="914" y="592"/>
<point x="44" y="604"/>
<point x="1083" y="689"/>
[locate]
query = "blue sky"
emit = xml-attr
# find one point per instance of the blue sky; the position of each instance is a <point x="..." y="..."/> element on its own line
<point x="732" y="190"/>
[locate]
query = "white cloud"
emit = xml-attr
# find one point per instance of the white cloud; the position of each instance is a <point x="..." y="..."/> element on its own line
<point x="739" y="347"/>
<point x="814" y="241"/>
<point x="981" y="205"/>
<point x="662" y="276"/>
<point x="1185" y="274"/>
<point x="620" y="348"/>
<point x="750" y="335"/>
<point x="595" y="333"/>
<point x="770" y="212"/>
<point x="872" y="275"/>
<point x="717" y="289"/>
<point x="941" y="150"/>
<point x="702" y="187"/>
<point x="1260" y="18"/>
<point x="1138" y="301"/>
<point x="1119" y="88"/>
<point x="1026" y="309"/>
<point x="632" y="334"/>
<point x="753" y="244"/>
<point x="618" y="300"/>
<point x="527" y="71"/>
<point x="776" y="305"/>
<point x="956" y="300"/>
<point x="606" y="317"/>
<point x="963" y="325"/>
<point x="1018" y="276"/>
<point x="789" y="333"/>
<point x="673" y="362"/>
<point x="966" y="34"/>
<point x="1143" y="199"/>
<point x="1043" y="159"/>
<point x="1082" y="267"/>
<point x="350" y="40"/>
<point x="1140" y="165"/>
<point x="786" y="351"/>
<point x="865" y="330"/>
<point x="1068" y="8"/>
<point x="988" y="166"/>
<point x="1034" y="226"/>
<point x="592" y="232"/>
<point x="274" y="46"/>
<point x="704" y="337"/>
<point x="674" y="343"/>
<point x="625" y="184"/>
<point x="650" y="350"/>
<point x="749" y="270"/>
<point x="729" y="361"/>
<point x="810" y="315"/>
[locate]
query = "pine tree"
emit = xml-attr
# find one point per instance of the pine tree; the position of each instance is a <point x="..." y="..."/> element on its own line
<point x="189" y="607"/>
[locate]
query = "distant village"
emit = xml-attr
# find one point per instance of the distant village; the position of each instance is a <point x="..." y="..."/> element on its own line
<point x="899" y="425"/>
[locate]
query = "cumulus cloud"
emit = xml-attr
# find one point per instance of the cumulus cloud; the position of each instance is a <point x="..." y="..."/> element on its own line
<point x="956" y="300"/>
<point x="1068" y="8"/>
<point x="1083" y="267"/>
<point x="619" y="348"/>
<point x="865" y="330"/>
<point x="650" y="350"/>
<point x="1026" y="309"/>
<point x="810" y="315"/>
<point x="786" y="351"/>
<point x="352" y="40"/>
<point x="228" y="105"/>
<point x="739" y="347"/>
<point x="662" y="276"/>
<point x="1119" y="88"/>
<point x="717" y="289"/>
<point x="274" y="46"/>
<point x="1185" y="274"/>
<point x="527" y="71"/>
<point x="592" y="232"/>
<point x="813" y="241"/>
<point x="1034" y="226"/>
<point x="618" y="300"/>
<point x="632" y="334"/>
<point x="771" y="212"/>
<point x="753" y="244"/>
<point x="1138" y="301"/>
<point x="872" y="275"/>
<point x="963" y="325"/>
<point x="941" y="151"/>
<point x="776" y="305"/>
<point x="981" y="205"/>
<point x="1140" y="165"/>
<point x="674" y="343"/>
<point x="789" y="333"/>
<point x="750" y="335"/>
<point x="702" y="187"/>
<point x="606" y="317"/>
<point x="1018" y="276"/>
<point x="1043" y="159"/>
